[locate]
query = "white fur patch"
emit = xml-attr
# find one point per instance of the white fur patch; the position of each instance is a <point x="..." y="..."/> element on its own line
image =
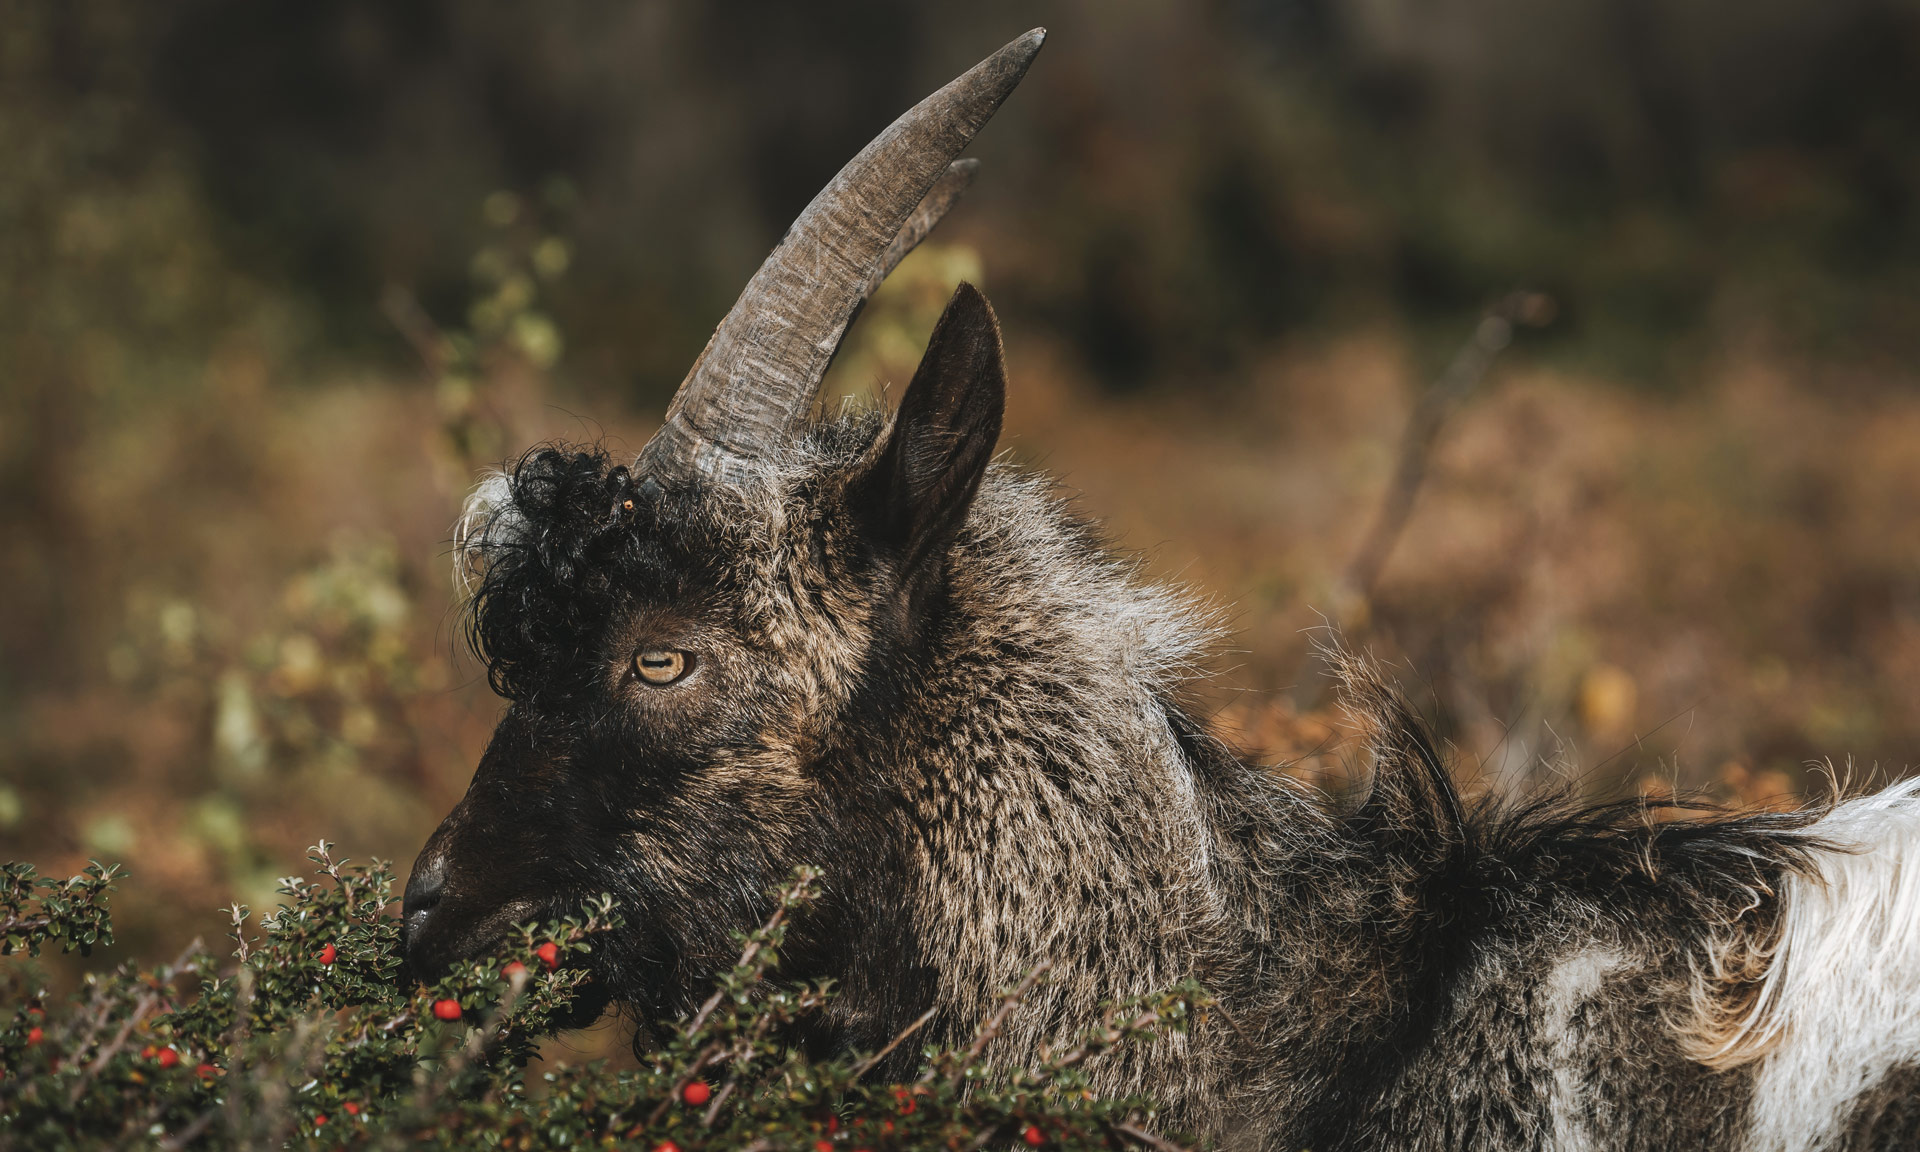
<point x="486" y="520"/>
<point x="1840" y="1005"/>
<point x="1573" y="983"/>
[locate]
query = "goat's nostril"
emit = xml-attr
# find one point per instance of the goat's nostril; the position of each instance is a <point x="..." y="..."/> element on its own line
<point x="415" y="912"/>
<point x="422" y="897"/>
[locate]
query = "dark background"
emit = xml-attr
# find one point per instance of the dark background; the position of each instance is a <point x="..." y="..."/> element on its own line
<point x="276" y="280"/>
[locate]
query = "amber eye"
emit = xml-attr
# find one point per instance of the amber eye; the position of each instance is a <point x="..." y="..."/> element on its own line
<point x="659" y="666"/>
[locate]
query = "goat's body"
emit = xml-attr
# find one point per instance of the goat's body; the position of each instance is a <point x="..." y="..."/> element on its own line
<point x="1408" y="974"/>
<point x="1644" y="1002"/>
<point x="865" y="649"/>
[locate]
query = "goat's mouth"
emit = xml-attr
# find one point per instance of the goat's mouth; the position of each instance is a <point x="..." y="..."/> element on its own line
<point x="436" y="938"/>
<point x="451" y="918"/>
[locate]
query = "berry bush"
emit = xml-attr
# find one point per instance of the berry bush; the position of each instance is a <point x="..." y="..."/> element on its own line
<point x="309" y="1037"/>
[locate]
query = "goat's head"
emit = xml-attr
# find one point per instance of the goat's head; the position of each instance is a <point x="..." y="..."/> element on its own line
<point x="688" y="642"/>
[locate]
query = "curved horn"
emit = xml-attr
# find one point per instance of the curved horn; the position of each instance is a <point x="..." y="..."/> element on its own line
<point x="753" y="386"/>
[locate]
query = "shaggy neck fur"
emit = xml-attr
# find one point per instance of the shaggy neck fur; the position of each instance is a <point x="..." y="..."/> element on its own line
<point x="1045" y="797"/>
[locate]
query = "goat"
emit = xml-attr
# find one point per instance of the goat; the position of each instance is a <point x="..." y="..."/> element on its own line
<point x="863" y="643"/>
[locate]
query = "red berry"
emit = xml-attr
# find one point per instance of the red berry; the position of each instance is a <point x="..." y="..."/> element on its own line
<point x="169" y="1058"/>
<point x="446" y="1009"/>
<point x="549" y="954"/>
<point x="833" y="1123"/>
<point x="319" y="1120"/>
<point x="35" y="1035"/>
<point x="328" y="953"/>
<point x="149" y="1052"/>
<point x="822" y="1146"/>
<point x="906" y="1100"/>
<point x="36" y="1014"/>
<point x="666" y="1146"/>
<point x="696" y="1093"/>
<point x="513" y="969"/>
<point x="205" y="1071"/>
<point x="352" y="1108"/>
<point x="1032" y="1136"/>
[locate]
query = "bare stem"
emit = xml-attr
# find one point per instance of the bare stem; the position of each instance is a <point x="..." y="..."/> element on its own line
<point x="403" y="310"/>
<point x="867" y="1065"/>
<point x="756" y="943"/>
<point x="997" y="1021"/>
<point x="14" y="922"/>
<point x="237" y="1038"/>
<point x="1109" y="1037"/>
<point x="145" y="1005"/>
<point x="239" y="915"/>
<point x="1149" y="1139"/>
<point x="719" y="1098"/>
<point x="192" y="1131"/>
<point x="707" y="1056"/>
<point x="1353" y="595"/>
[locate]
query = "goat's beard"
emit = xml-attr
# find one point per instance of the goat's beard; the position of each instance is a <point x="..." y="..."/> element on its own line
<point x="590" y="998"/>
<point x="630" y="968"/>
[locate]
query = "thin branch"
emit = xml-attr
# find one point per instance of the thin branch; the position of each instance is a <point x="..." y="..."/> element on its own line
<point x="1149" y="1139"/>
<point x="1221" y="1009"/>
<point x="478" y="1044"/>
<point x="145" y="1005"/>
<point x="866" y="1065"/>
<point x="1107" y="1039"/>
<point x="744" y="1053"/>
<point x="997" y="1021"/>
<point x="16" y="922"/>
<point x="719" y="1098"/>
<point x="239" y="933"/>
<point x="983" y="1139"/>
<point x="237" y="1036"/>
<point x="192" y="1131"/>
<point x="99" y="1010"/>
<point x="707" y="1056"/>
<point x="403" y="310"/>
<point x="1463" y="375"/>
<point x="747" y="955"/>
<point x="1353" y="595"/>
<point x="790" y="895"/>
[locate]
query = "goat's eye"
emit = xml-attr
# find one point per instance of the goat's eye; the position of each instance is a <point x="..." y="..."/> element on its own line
<point x="659" y="666"/>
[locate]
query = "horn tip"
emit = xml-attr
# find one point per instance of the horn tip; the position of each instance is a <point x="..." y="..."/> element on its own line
<point x="1008" y="65"/>
<point x="1028" y="45"/>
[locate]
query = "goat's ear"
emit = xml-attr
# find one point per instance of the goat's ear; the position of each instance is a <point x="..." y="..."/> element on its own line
<point x="925" y="477"/>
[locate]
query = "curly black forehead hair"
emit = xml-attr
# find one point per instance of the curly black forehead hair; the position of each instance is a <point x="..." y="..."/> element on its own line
<point x="557" y="545"/>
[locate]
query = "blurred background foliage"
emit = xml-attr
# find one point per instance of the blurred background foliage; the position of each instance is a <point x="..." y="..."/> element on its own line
<point x="277" y="280"/>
